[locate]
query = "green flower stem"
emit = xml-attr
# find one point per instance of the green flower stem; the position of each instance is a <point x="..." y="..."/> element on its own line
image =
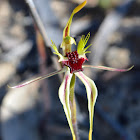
<point x="73" y="107"/>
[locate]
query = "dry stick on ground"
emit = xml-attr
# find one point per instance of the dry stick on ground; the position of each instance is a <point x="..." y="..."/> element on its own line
<point x="110" y="24"/>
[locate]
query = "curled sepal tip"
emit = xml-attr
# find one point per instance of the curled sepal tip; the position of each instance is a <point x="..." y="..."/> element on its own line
<point x="107" y="68"/>
<point x="91" y="95"/>
<point x="38" y="78"/>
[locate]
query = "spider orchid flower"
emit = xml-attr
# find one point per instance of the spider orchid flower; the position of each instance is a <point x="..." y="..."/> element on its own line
<point x="72" y="62"/>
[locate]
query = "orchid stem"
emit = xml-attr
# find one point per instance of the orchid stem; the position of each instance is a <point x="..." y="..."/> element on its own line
<point x="74" y="121"/>
<point x="73" y="108"/>
<point x="90" y="134"/>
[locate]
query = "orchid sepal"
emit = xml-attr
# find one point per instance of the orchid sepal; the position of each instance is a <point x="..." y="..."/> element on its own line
<point x="107" y="68"/>
<point x="91" y="95"/>
<point x="67" y="39"/>
<point x="39" y="78"/>
<point x="66" y="31"/>
<point x="64" y="94"/>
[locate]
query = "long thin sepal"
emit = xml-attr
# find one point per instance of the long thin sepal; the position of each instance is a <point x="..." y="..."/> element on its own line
<point x="91" y="95"/>
<point x="64" y="93"/>
<point x="66" y="31"/>
<point x="107" y="68"/>
<point x="38" y="78"/>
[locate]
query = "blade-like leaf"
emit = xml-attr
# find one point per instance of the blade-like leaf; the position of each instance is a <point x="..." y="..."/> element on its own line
<point x="91" y="95"/>
<point x="107" y="68"/>
<point x="39" y="78"/>
<point x="64" y="94"/>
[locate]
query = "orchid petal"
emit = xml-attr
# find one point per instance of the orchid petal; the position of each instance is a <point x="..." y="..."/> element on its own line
<point x="91" y="95"/>
<point x="64" y="93"/>
<point x="107" y="68"/>
<point x="39" y="78"/>
<point x="66" y="31"/>
<point x="82" y="43"/>
<point x="67" y="39"/>
<point x="61" y="58"/>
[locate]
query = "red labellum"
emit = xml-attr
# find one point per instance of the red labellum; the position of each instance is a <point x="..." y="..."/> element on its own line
<point x="74" y="62"/>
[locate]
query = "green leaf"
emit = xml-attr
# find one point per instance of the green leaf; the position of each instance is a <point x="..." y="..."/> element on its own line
<point x="91" y="95"/>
